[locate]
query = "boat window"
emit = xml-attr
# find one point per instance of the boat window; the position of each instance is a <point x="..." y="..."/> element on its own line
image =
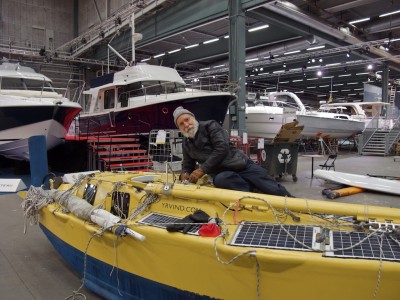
<point x="38" y="85"/>
<point x="171" y="87"/>
<point x="152" y="87"/>
<point x="288" y="100"/>
<point x="109" y="97"/>
<point x="12" y="84"/>
<point x="180" y="87"/>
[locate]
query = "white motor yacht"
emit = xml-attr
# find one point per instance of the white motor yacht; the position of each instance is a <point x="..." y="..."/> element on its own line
<point x="30" y="106"/>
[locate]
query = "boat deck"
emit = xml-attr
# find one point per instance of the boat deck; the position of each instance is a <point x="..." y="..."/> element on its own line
<point x="32" y="269"/>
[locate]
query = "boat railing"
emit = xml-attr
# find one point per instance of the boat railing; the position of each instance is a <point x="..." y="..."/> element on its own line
<point x="278" y="103"/>
<point x="74" y="90"/>
<point x="392" y="136"/>
<point x="165" y="89"/>
<point x="371" y="127"/>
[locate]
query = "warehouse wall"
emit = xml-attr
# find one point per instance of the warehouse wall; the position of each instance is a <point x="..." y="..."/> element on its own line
<point x="34" y="24"/>
<point x="89" y="15"/>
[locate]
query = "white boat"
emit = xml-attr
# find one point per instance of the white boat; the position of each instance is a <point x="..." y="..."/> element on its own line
<point x="267" y="116"/>
<point x="368" y="182"/>
<point x="363" y="111"/>
<point x="141" y="98"/>
<point x="30" y="106"/>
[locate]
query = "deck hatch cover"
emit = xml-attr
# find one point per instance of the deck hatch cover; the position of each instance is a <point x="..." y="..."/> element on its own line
<point x="369" y="249"/>
<point x="162" y="220"/>
<point x="265" y="235"/>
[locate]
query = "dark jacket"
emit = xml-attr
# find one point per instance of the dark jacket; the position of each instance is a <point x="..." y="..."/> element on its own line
<point x="211" y="149"/>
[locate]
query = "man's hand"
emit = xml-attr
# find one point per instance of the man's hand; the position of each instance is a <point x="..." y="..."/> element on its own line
<point x="184" y="176"/>
<point x="196" y="175"/>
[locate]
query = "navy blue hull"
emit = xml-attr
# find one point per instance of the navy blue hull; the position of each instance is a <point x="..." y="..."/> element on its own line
<point x="12" y="117"/>
<point x="155" y="116"/>
<point x="120" y="284"/>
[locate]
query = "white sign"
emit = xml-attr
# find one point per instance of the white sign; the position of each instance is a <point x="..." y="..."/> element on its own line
<point x="11" y="185"/>
<point x="260" y="143"/>
<point x="161" y="137"/>
<point x="245" y="140"/>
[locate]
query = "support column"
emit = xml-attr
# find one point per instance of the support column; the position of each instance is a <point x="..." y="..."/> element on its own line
<point x="385" y="81"/>
<point x="237" y="65"/>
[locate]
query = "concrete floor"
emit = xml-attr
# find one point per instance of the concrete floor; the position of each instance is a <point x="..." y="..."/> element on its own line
<point x="31" y="269"/>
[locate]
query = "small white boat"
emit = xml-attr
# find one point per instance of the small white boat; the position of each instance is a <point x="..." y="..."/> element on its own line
<point x="30" y="106"/>
<point x="363" y="181"/>
<point x="363" y="111"/>
<point x="267" y="116"/>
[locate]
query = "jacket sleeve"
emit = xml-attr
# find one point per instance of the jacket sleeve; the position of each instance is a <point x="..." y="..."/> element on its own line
<point x="220" y="144"/>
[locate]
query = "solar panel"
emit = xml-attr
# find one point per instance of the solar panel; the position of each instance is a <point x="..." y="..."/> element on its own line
<point x="265" y="235"/>
<point x="369" y="249"/>
<point x="162" y="220"/>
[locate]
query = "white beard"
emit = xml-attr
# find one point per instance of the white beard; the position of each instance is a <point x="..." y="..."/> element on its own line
<point x="192" y="130"/>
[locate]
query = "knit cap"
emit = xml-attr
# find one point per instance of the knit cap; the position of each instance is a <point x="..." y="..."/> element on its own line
<point x="180" y="111"/>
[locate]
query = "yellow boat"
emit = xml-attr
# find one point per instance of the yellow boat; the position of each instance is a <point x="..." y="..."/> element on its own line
<point x="111" y="228"/>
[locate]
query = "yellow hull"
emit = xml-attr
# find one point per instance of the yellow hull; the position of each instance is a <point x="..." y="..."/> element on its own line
<point x="211" y="266"/>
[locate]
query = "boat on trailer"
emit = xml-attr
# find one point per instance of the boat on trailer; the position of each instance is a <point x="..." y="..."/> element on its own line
<point x="30" y="106"/>
<point x="145" y="235"/>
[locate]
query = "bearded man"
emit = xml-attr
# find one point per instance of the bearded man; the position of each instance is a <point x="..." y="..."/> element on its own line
<point x="206" y="150"/>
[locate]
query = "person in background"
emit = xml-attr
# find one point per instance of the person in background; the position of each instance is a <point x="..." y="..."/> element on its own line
<point x="206" y="150"/>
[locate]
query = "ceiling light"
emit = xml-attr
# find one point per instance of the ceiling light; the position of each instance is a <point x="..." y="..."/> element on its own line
<point x="210" y="41"/>
<point x="344" y="75"/>
<point x="159" y="55"/>
<point x="251" y="59"/>
<point x="389" y="13"/>
<point x="333" y="64"/>
<point x="258" y="28"/>
<point x="191" y="46"/>
<point x="369" y="67"/>
<point x="348" y="53"/>
<point x="315" y="48"/>
<point x="173" y="51"/>
<point x="291" y="52"/>
<point x="203" y="69"/>
<point x="359" y="21"/>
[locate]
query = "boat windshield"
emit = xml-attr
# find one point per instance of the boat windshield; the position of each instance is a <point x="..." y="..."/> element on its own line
<point x="149" y="87"/>
<point x="11" y="83"/>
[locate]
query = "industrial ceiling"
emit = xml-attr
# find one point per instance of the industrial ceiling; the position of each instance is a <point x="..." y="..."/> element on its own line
<point x="349" y="42"/>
